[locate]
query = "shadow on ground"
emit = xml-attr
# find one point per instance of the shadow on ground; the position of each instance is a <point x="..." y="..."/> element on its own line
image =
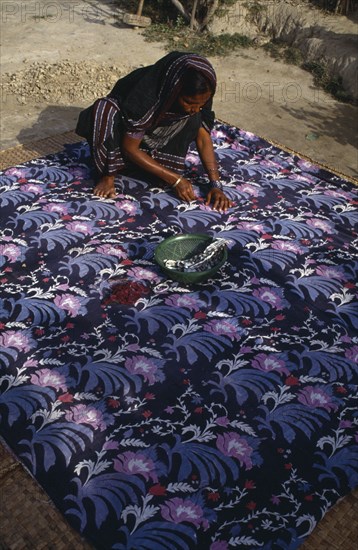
<point x="53" y="120"/>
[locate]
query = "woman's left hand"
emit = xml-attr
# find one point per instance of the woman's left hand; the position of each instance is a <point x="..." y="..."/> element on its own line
<point x="219" y="200"/>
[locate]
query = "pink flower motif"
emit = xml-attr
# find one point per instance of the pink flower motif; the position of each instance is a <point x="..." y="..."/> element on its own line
<point x="142" y="366"/>
<point x="352" y="354"/>
<point x="83" y="414"/>
<point x="31" y="364"/>
<point x="222" y="421"/>
<point x="111" y="250"/>
<point x="287" y="245"/>
<point x="178" y="510"/>
<point x="11" y="251"/>
<point x="15" y="339"/>
<point x="128" y="206"/>
<point x="136" y="463"/>
<point x="184" y="300"/>
<point x="231" y="444"/>
<point x="323" y="225"/>
<point x="269" y="295"/>
<point x="313" y="397"/>
<point x="48" y="377"/>
<point x="331" y="272"/>
<point x="142" y="274"/>
<point x="56" y="207"/>
<point x="31" y="188"/>
<point x="15" y="172"/>
<point x="80" y="227"/>
<point x="269" y="363"/>
<point x="192" y="159"/>
<point x="252" y="226"/>
<point x="224" y="327"/>
<point x="68" y="302"/>
<point x="248" y="189"/>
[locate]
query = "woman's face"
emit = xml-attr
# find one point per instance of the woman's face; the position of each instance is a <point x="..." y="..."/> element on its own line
<point x="192" y="104"/>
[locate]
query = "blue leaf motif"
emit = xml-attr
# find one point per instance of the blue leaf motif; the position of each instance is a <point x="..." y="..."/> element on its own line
<point x="110" y="376"/>
<point x="9" y="198"/>
<point x="104" y="493"/>
<point x="272" y="258"/>
<point x="243" y="303"/>
<point x="190" y="346"/>
<point x="244" y="382"/>
<point x="313" y="286"/>
<point x="24" y="400"/>
<point x="348" y="314"/>
<point x="292" y="418"/>
<point x="299" y="228"/>
<point x="337" y="367"/>
<point x="98" y="210"/>
<point x="60" y="440"/>
<point x="207" y="462"/>
<point x="55" y="237"/>
<point x="158" y="535"/>
<point x="41" y="311"/>
<point x="155" y="317"/>
<point x="193" y="218"/>
<point x="90" y="263"/>
<point x="343" y="462"/>
<point x="32" y="219"/>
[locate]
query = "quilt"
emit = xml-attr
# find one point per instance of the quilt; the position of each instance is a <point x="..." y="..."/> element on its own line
<point x="163" y="416"/>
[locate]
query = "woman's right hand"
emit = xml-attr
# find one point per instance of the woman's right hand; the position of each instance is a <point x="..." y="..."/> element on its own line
<point x="184" y="190"/>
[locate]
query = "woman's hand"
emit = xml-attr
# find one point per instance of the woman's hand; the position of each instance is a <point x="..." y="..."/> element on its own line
<point x="184" y="190"/>
<point x="218" y="199"/>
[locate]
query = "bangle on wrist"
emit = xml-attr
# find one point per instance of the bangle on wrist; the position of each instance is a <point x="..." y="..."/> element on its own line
<point x="177" y="182"/>
<point x="216" y="184"/>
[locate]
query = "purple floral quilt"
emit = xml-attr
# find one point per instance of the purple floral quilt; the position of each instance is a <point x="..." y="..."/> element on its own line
<point x="162" y="416"/>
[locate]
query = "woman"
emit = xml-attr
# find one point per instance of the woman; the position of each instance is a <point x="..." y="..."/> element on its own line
<point x="149" y="119"/>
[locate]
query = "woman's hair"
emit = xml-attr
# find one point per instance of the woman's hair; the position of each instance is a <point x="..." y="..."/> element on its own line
<point x="195" y="83"/>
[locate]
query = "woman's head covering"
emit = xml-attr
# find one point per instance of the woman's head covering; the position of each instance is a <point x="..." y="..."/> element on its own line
<point x="146" y="93"/>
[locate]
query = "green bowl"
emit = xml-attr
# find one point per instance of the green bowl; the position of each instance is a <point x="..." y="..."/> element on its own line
<point x="182" y="247"/>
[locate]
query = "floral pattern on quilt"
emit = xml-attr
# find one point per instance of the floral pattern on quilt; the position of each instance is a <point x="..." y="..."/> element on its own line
<point x="159" y="415"/>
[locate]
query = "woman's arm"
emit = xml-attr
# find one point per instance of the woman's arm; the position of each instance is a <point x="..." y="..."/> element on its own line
<point x="131" y="150"/>
<point x="207" y="156"/>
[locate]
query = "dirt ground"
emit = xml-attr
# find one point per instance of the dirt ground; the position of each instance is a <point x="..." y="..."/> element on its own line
<point x="57" y="57"/>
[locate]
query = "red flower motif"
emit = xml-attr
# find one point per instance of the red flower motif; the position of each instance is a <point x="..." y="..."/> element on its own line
<point x="214" y="496"/>
<point x="66" y="398"/>
<point x="186" y="381"/>
<point x="280" y="317"/>
<point x="309" y="497"/>
<point x="127" y="293"/>
<point x="149" y="396"/>
<point x="249" y="484"/>
<point x="113" y="403"/>
<point x="198" y="410"/>
<point x="127" y="262"/>
<point x="341" y="389"/>
<point x="199" y="315"/>
<point x="288" y="466"/>
<point x="246" y="322"/>
<point x="147" y="414"/>
<point x="349" y="285"/>
<point x="251" y="505"/>
<point x="292" y="381"/>
<point x="158" y="490"/>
